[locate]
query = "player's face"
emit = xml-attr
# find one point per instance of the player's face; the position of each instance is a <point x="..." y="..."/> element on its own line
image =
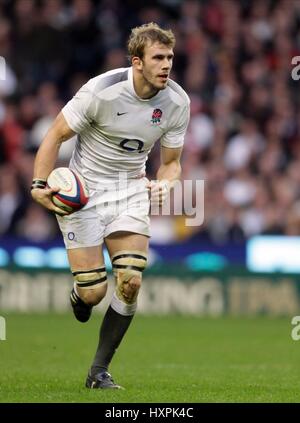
<point x="156" y="65"/>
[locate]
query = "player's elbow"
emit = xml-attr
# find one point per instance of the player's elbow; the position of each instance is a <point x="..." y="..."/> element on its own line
<point x="178" y="167"/>
<point x="173" y="168"/>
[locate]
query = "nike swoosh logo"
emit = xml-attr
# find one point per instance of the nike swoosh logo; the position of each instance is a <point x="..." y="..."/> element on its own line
<point x="120" y="114"/>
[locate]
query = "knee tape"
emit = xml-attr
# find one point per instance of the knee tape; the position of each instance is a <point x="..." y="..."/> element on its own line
<point x="90" y="279"/>
<point x="126" y="265"/>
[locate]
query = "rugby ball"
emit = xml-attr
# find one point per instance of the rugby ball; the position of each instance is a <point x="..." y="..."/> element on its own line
<point x="73" y="194"/>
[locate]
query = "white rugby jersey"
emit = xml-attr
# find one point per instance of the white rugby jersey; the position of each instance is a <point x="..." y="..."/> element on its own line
<point x="117" y="129"/>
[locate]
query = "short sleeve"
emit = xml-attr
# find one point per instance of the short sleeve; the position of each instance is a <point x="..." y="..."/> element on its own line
<point x="174" y="137"/>
<point x="78" y="112"/>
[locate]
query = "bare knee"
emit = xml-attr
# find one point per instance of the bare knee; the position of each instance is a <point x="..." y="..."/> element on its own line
<point x="134" y="284"/>
<point x="92" y="296"/>
<point x="128" y="267"/>
<point x="130" y="288"/>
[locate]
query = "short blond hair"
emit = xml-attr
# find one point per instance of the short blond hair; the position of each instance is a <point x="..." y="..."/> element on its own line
<point x="148" y="32"/>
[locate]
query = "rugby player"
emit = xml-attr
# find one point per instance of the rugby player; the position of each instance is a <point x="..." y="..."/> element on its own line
<point x="117" y="116"/>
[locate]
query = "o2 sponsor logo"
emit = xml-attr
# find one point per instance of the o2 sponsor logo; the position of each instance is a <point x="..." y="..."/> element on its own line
<point x="71" y="236"/>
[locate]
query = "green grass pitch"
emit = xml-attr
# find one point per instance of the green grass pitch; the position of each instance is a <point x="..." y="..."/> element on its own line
<point x="162" y="359"/>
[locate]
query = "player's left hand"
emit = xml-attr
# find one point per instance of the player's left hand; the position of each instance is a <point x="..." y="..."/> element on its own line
<point x="158" y="191"/>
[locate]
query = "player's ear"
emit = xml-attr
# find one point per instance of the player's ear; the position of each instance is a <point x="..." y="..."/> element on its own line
<point x="137" y="63"/>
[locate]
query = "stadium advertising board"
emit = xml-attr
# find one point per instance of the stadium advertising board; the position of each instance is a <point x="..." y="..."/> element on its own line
<point x="163" y="292"/>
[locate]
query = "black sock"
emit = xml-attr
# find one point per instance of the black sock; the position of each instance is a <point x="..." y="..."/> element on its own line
<point x="113" y="328"/>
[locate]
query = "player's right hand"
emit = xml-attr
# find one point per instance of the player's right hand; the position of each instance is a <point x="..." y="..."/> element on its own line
<point x="43" y="196"/>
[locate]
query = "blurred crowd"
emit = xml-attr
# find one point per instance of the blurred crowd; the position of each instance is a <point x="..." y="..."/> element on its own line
<point x="234" y="58"/>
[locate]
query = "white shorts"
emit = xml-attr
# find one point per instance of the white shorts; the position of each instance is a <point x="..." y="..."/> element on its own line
<point x="119" y="206"/>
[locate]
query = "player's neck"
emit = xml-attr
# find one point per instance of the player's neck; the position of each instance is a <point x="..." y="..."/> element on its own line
<point x="142" y="87"/>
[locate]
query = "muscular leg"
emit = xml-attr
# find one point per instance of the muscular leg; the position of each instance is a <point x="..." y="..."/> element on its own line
<point x="128" y="281"/>
<point x="87" y="265"/>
